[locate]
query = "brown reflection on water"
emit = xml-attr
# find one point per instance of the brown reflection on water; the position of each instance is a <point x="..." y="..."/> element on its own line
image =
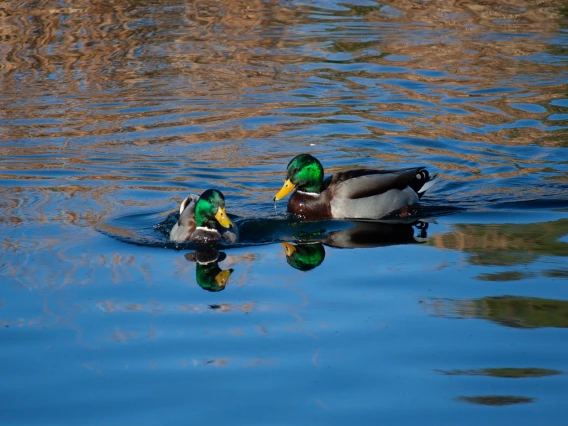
<point x="459" y="38"/>
<point x="465" y="47"/>
<point x="87" y="76"/>
<point x="84" y="52"/>
<point x="218" y="50"/>
<point x="510" y="311"/>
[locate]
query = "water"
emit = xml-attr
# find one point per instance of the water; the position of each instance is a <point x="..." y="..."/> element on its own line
<point x="111" y="112"/>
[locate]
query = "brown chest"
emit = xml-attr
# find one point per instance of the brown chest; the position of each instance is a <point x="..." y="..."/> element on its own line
<point x="309" y="206"/>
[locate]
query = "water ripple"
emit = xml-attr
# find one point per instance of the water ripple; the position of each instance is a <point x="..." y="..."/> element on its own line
<point x="110" y="110"/>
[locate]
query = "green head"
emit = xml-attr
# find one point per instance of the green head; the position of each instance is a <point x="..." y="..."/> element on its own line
<point x="303" y="172"/>
<point x="210" y="210"/>
<point x="304" y="256"/>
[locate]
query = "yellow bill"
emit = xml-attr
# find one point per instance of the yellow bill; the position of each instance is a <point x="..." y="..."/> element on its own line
<point x="285" y="190"/>
<point x="289" y="249"/>
<point x="222" y="218"/>
<point x="222" y="277"/>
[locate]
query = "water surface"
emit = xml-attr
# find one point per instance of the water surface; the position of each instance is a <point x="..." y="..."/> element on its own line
<point x="111" y="112"/>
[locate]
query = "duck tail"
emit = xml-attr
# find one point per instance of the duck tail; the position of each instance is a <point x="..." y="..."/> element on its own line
<point x="424" y="181"/>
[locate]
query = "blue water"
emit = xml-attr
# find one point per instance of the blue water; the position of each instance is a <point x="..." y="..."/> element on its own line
<point x="110" y="113"/>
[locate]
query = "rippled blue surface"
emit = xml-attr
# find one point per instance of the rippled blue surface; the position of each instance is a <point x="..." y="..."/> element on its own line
<point x="111" y="112"/>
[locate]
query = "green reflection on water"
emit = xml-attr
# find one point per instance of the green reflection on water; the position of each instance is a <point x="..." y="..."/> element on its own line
<point x="504" y="276"/>
<point x="510" y="311"/>
<point x="353" y="46"/>
<point x="556" y="273"/>
<point x="506" y="244"/>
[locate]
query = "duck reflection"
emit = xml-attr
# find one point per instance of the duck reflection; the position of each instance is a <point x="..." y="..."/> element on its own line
<point x="208" y="274"/>
<point x="304" y="256"/>
<point x="309" y="253"/>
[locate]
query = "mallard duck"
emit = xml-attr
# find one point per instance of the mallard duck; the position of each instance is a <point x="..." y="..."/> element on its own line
<point x="353" y="194"/>
<point x="203" y="219"/>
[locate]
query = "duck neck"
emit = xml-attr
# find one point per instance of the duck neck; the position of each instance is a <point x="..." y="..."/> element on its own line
<point x="314" y="188"/>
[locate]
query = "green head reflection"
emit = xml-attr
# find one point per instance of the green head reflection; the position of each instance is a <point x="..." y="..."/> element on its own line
<point x="208" y="274"/>
<point x="304" y="256"/>
<point x="211" y="277"/>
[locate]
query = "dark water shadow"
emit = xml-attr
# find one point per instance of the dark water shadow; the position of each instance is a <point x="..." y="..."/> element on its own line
<point x="495" y="400"/>
<point x="505" y="373"/>
<point x="535" y="204"/>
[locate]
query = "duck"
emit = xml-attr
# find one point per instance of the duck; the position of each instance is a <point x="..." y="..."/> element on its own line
<point x="203" y="219"/>
<point x="353" y="194"/>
